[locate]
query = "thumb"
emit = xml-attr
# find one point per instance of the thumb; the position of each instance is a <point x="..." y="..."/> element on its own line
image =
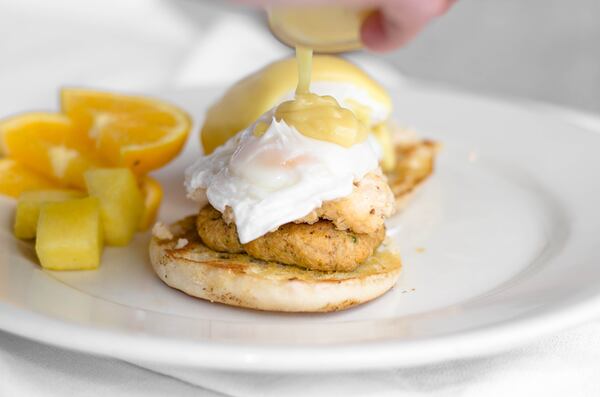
<point x="397" y="22"/>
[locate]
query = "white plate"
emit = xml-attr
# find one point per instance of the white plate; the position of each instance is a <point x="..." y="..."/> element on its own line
<point x="500" y="247"/>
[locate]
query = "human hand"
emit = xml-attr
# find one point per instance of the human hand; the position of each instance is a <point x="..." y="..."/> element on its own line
<point x="393" y="24"/>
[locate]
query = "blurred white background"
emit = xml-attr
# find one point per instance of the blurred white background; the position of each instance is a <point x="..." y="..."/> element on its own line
<point x="541" y="49"/>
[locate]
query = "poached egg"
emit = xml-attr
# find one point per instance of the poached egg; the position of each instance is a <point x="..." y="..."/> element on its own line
<point x="278" y="177"/>
<point x="248" y="99"/>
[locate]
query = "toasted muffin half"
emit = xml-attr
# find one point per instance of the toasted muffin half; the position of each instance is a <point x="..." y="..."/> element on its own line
<point x="415" y="162"/>
<point x="181" y="260"/>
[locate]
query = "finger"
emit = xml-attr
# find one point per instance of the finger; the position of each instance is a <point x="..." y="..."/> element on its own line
<point x="397" y="22"/>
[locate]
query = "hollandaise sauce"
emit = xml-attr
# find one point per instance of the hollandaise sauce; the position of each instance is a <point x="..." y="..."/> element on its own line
<point x="304" y="59"/>
<point x="315" y="116"/>
<point x="324" y="28"/>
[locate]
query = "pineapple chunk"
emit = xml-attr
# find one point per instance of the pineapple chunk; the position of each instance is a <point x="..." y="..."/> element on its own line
<point x="28" y="208"/>
<point x="69" y="235"/>
<point x="121" y="202"/>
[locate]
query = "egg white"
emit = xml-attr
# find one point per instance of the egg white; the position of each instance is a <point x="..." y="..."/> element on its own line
<point x="278" y="177"/>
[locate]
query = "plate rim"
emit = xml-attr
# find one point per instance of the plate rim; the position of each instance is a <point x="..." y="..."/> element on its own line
<point x="245" y="357"/>
<point x="275" y="358"/>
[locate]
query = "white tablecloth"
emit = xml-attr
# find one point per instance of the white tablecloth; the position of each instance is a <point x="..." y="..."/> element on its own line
<point x="564" y="365"/>
<point x="140" y="43"/>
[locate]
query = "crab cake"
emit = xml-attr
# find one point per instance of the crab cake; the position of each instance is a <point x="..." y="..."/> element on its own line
<point x="363" y="211"/>
<point x="216" y="233"/>
<point x="319" y="246"/>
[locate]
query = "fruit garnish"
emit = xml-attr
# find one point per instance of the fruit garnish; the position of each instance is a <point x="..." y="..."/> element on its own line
<point x="16" y="179"/>
<point x="140" y="133"/>
<point x="103" y="144"/>
<point x="121" y="202"/>
<point x="69" y="235"/>
<point x="28" y="209"/>
<point x="153" y="194"/>
<point x="48" y="144"/>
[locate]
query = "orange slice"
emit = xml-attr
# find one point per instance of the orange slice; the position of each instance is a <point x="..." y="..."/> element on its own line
<point x="48" y="144"/>
<point x="129" y="131"/>
<point x="16" y="179"/>
<point x="153" y="194"/>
